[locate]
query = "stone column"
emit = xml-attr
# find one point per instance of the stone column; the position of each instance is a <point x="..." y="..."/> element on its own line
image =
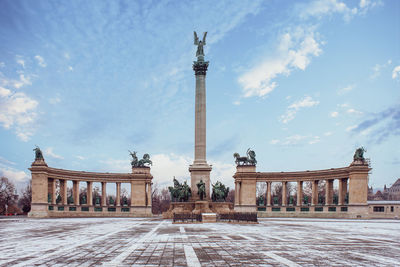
<point x="75" y="192"/>
<point x="52" y="190"/>
<point x="284" y="188"/>
<point x="149" y="194"/>
<point x="238" y="193"/>
<point x="89" y="193"/>
<point x="132" y="193"/>
<point x="63" y="191"/>
<point x="200" y="170"/>
<point x="269" y="193"/>
<point x="329" y="192"/>
<point x="118" y="197"/>
<point x="341" y="196"/>
<point x="344" y="190"/>
<point x="314" y="197"/>
<point x="103" y="194"/>
<point x="299" y="193"/>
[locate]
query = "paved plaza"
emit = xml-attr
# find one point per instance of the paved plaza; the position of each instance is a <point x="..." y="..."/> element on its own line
<point x="157" y="242"/>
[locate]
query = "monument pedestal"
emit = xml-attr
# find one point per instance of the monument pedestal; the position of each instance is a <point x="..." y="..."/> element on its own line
<point x="199" y="172"/>
<point x="202" y="207"/>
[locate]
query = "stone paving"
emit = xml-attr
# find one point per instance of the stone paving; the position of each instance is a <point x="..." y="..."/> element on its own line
<point x="157" y="242"/>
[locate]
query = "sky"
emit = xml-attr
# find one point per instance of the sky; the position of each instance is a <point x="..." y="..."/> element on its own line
<point x="302" y="83"/>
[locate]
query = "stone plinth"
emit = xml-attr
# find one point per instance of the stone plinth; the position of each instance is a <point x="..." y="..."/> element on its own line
<point x="197" y="173"/>
<point x="209" y="217"/>
<point x="141" y="170"/>
<point x="202" y="207"/>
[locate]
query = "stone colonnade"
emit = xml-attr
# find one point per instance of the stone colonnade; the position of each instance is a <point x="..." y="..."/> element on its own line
<point x="353" y="181"/>
<point x="44" y="198"/>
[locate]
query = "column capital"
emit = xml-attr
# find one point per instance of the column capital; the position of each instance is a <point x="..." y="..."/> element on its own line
<point x="200" y="67"/>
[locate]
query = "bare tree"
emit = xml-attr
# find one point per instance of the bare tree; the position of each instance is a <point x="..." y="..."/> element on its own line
<point x="7" y="194"/>
<point x="25" y="201"/>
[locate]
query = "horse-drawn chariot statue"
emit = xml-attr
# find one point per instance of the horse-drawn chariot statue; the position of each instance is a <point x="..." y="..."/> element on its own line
<point x="249" y="160"/>
<point x="144" y="162"/>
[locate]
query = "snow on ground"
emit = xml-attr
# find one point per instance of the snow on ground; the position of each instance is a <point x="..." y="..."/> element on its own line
<point x="155" y="242"/>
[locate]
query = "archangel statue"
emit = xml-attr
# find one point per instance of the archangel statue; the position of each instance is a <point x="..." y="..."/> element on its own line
<point x="38" y="153"/>
<point x="200" y="44"/>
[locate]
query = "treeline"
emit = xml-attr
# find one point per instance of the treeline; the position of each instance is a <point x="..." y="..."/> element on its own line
<point x="10" y="202"/>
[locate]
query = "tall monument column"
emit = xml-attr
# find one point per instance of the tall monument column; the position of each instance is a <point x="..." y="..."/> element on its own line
<point x="200" y="170"/>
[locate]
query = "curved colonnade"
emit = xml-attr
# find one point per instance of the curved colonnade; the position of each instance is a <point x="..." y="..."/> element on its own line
<point x="352" y="181"/>
<point x="44" y="204"/>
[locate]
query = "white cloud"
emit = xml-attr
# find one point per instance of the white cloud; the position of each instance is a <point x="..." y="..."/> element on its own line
<point x="328" y="133"/>
<point x="321" y="8"/>
<point x="49" y="152"/>
<point x="294" y="139"/>
<point x="291" y="111"/>
<point x="20" y="61"/>
<point x="334" y="114"/>
<point x="2" y="64"/>
<point x="294" y="51"/>
<point x="274" y="141"/>
<point x="13" y="174"/>
<point x="348" y="129"/>
<point x="346" y="89"/>
<point x="396" y="72"/>
<point x="378" y="68"/>
<point x="314" y="140"/>
<point x="40" y="61"/>
<point x="236" y="103"/>
<point x="353" y="111"/>
<point x="70" y="68"/>
<point x="166" y="166"/>
<point x="19" y="111"/>
<point x="223" y="172"/>
<point x="80" y="157"/>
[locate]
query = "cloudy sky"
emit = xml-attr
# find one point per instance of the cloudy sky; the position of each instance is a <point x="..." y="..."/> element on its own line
<point x="303" y="83"/>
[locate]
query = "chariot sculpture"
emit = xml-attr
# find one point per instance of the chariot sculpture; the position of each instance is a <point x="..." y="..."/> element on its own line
<point x="144" y="162"/>
<point x="359" y="154"/>
<point x="250" y="159"/>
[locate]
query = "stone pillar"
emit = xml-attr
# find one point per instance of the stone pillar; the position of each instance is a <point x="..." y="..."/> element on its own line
<point x="40" y="189"/>
<point x="269" y="193"/>
<point x="75" y="192"/>
<point x="237" y="192"/>
<point x="89" y="193"/>
<point x="132" y="193"/>
<point x="200" y="170"/>
<point x="344" y="190"/>
<point x="103" y="194"/>
<point x="314" y="196"/>
<point x="341" y="196"/>
<point x="358" y="183"/>
<point x="63" y="192"/>
<point x="299" y="193"/>
<point x="149" y="194"/>
<point x="52" y="190"/>
<point x="329" y="192"/>
<point x="118" y="197"/>
<point x="284" y="189"/>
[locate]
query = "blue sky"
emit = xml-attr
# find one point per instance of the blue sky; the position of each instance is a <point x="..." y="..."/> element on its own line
<point x="303" y="83"/>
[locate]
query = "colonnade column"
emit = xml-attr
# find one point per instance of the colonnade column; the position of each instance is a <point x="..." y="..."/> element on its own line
<point x="314" y="197"/>
<point x="299" y="193"/>
<point x="103" y="194"/>
<point x="52" y="190"/>
<point x="118" y="197"/>
<point x="63" y="191"/>
<point x="237" y="193"/>
<point x="269" y="193"/>
<point x="284" y="189"/>
<point x="342" y="191"/>
<point x="89" y="193"/>
<point x="329" y="192"/>
<point x="75" y="192"/>
<point x="132" y="194"/>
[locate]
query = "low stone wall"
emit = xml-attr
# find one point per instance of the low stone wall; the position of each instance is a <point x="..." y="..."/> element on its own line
<point x="190" y="207"/>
